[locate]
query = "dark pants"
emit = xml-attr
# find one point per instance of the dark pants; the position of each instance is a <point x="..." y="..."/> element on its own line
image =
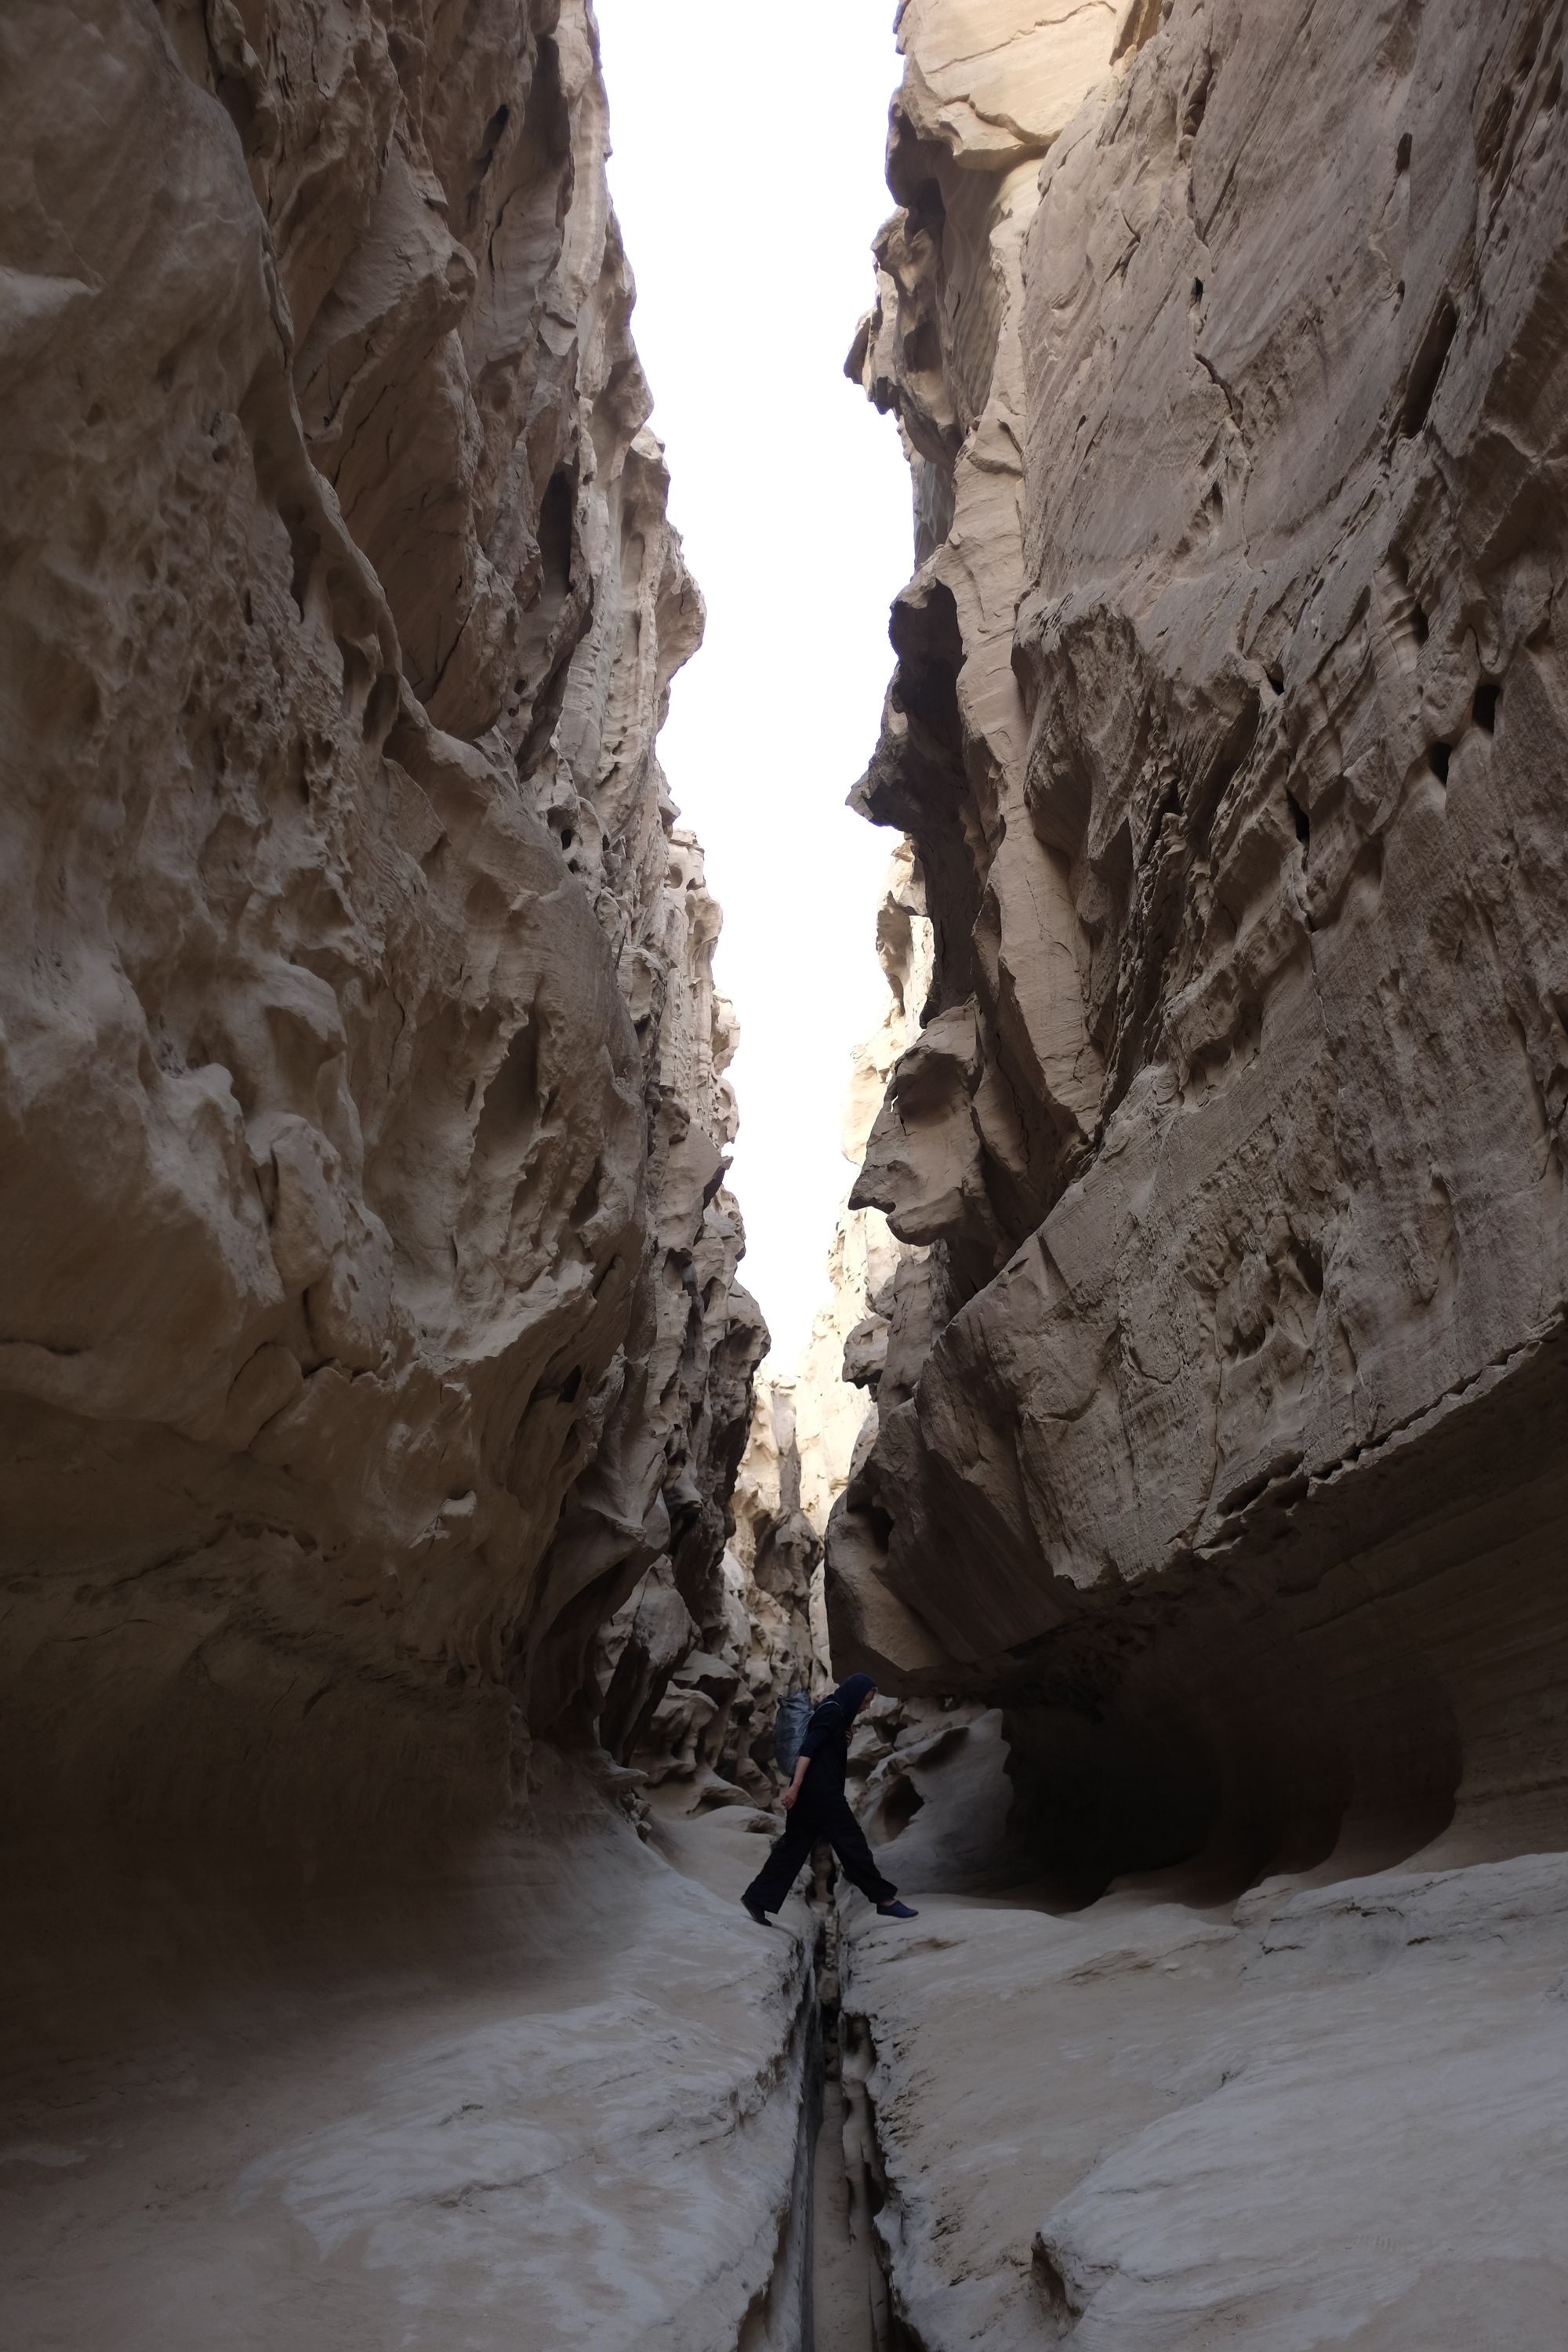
<point x="832" y="1819"/>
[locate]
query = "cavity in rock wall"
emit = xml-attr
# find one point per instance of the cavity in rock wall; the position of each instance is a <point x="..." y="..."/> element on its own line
<point x="371" y="1321"/>
<point x="1227" y="728"/>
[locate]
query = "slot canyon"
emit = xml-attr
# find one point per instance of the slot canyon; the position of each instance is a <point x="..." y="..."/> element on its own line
<point x="408" y="1542"/>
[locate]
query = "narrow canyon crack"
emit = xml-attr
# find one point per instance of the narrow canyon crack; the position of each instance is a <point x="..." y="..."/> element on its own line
<point x="415" y="1570"/>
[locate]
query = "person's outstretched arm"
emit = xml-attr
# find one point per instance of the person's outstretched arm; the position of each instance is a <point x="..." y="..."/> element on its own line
<point x="792" y="1791"/>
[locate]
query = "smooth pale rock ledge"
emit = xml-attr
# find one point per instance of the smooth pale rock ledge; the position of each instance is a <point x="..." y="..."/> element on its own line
<point x="560" y="2107"/>
<point x="1333" y="2117"/>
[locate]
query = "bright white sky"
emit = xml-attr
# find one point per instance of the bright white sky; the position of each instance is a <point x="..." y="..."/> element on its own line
<point x="747" y="173"/>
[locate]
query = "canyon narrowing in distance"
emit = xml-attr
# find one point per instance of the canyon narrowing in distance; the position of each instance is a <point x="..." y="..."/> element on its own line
<point x="401" y="1564"/>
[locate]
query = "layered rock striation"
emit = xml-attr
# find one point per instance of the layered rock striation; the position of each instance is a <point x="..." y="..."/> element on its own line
<point x="1227" y="728"/>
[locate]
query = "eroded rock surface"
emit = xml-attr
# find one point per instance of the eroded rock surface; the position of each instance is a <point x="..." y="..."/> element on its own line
<point x="1227" y="728"/>
<point x="370" y="1293"/>
<point x="369" y="1326"/>
<point x="546" y="2096"/>
<point x="1335" y="2118"/>
<point x="1223" y="1483"/>
<point x="846" y="1358"/>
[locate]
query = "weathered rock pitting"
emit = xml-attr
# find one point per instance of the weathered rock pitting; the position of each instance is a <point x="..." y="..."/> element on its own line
<point x="1227" y="728"/>
<point x="390" y="1652"/>
<point x="369" y="1320"/>
<point x="1220" y="1482"/>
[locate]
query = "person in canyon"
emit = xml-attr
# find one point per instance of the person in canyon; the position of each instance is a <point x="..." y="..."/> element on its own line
<point x="818" y="1808"/>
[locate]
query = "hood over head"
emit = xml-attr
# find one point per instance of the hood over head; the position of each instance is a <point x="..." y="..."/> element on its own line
<point x="850" y="1692"/>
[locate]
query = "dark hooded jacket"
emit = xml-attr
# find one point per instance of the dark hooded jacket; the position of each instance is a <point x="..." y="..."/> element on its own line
<point x="826" y="1741"/>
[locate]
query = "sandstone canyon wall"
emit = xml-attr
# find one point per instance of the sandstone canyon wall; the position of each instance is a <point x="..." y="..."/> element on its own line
<point x="389" y="1651"/>
<point x="370" y="1284"/>
<point x="1228" y="730"/>
<point x="370" y="1323"/>
<point x="846" y="1353"/>
<point x="1218" y="1497"/>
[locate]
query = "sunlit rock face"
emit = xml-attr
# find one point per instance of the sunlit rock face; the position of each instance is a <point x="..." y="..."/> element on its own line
<point x="369" y="1276"/>
<point x="370" y="1323"/>
<point x="828" y="1399"/>
<point x="1228" y="727"/>
<point x="1226" y="1496"/>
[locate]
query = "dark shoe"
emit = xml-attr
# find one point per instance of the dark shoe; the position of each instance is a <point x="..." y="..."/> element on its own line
<point x="895" y="1911"/>
<point x="754" y="1911"/>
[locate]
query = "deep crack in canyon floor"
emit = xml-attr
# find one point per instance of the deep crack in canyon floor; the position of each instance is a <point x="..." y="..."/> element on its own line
<point x="406" y="1580"/>
<point x="1332" y="2117"/>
